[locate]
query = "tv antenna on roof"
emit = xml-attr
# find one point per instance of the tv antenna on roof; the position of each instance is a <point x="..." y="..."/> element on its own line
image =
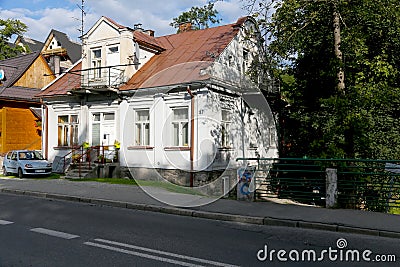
<point x="83" y="14"/>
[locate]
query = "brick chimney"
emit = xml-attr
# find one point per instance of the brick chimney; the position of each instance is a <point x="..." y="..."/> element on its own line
<point x="185" y="27"/>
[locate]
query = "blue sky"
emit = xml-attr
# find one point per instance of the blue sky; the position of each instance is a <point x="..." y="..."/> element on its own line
<point x="43" y="15"/>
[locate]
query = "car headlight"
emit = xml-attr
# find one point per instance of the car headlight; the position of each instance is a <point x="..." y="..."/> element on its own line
<point x="48" y="165"/>
<point x="28" y="166"/>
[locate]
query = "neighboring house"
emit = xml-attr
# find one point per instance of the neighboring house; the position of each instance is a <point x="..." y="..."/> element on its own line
<point x="20" y="112"/>
<point x="29" y="45"/>
<point x="60" y="52"/>
<point x="179" y="104"/>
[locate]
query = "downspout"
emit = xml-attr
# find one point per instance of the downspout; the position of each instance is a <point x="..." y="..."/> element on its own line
<point x="45" y="127"/>
<point x="192" y="103"/>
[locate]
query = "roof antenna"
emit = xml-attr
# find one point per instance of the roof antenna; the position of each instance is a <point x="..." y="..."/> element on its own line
<point x="82" y="8"/>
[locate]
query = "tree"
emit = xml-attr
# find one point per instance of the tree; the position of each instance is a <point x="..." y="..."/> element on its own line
<point x="200" y="17"/>
<point x="322" y="117"/>
<point x="8" y="28"/>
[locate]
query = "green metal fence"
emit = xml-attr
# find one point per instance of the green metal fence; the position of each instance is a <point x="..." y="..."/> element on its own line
<point x="361" y="184"/>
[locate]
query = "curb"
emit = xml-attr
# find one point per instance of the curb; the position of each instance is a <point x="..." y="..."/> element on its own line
<point x="270" y="221"/>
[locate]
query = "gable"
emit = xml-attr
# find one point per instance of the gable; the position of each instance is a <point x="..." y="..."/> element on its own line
<point x="37" y="75"/>
<point x="102" y="30"/>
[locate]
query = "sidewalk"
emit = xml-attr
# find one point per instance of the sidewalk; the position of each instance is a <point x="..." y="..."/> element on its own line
<point x="267" y="213"/>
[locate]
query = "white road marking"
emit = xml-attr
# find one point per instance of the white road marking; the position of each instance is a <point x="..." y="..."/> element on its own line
<point x="143" y="255"/>
<point x="160" y="252"/>
<point x="3" y="222"/>
<point x="54" y="233"/>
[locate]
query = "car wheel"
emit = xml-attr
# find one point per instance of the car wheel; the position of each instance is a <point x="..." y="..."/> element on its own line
<point x="20" y="173"/>
<point x="5" y="173"/>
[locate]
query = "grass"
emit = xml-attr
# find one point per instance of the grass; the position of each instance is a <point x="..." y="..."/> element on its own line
<point x="170" y="187"/>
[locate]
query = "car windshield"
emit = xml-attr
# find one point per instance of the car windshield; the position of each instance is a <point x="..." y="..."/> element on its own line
<point x="30" y="155"/>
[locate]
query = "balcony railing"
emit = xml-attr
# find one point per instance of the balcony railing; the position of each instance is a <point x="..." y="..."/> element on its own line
<point x="110" y="77"/>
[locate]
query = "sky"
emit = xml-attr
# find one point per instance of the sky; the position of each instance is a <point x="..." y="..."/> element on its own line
<point x="41" y="16"/>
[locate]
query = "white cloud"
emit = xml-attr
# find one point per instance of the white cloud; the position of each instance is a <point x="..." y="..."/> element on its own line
<point x="155" y="15"/>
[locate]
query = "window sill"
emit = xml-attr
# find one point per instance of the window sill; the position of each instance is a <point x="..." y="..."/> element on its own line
<point x="140" y="147"/>
<point x="177" y="148"/>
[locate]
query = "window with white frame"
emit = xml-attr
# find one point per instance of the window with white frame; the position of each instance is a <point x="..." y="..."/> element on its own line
<point x="180" y="127"/>
<point x="142" y="127"/>
<point x="226" y="120"/>
<point x="68" y="130"/>
<point x="96" y="62"/>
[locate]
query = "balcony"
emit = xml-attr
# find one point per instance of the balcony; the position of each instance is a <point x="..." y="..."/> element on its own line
<point x="103" y="77"/>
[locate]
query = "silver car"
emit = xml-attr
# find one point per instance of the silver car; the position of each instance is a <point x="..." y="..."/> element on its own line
<point x="25" y="162"/>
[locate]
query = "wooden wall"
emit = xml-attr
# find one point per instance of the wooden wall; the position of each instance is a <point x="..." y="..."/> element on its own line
<point x="38" y="75"/>
<point x="18" y="130"/>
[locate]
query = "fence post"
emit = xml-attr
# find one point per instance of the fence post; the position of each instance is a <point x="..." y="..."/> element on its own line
<point x="331" y="188"/>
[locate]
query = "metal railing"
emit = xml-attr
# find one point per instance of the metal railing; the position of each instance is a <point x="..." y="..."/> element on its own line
<point x="361" y="183"/>
<point x="94" y="154"/>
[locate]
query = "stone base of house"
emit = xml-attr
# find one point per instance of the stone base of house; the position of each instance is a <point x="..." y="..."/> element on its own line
<point x="211" y="183"/>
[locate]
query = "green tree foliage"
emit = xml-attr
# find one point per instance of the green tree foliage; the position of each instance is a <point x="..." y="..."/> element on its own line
<point x="319" y="120"/>
<point x="200" y="17"/>
<point x="8" y="28"/>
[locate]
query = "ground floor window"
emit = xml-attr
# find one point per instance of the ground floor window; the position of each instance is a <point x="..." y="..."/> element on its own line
<point x="142" y="127"/>
<point x="68" y="130"/>
<point x="180" y="127"/>
<point x="226" y="128"/>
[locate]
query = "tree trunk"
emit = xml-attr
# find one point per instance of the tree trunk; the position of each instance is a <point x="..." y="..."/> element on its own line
<point x="338" y="53"/>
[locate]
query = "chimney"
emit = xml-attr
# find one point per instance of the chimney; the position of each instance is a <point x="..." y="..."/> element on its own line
<point x="138" y="27"/>
<point x="149" y="32"/>
<point x="185" y="27"/>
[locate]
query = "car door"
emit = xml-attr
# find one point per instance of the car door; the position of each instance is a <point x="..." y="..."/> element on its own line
<point x="7" y="161"/>
<point x="13" y="162"/>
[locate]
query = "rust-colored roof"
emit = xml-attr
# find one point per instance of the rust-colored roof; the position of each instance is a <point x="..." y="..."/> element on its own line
<point x="68" y="81"/>
<point x="147" y="40"/>
<point x="171" y="66"/>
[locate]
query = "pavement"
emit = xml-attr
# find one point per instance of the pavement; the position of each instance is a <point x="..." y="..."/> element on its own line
<point x="156" y="199"/>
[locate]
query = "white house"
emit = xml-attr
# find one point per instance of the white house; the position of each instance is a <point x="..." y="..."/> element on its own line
<point x="180" y="105"/>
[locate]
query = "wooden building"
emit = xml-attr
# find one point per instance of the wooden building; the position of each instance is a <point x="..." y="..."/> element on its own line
<point x="20" y="113"/>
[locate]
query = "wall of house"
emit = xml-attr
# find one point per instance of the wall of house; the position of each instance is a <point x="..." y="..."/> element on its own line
<point x="245" y="136"/>
<point x="109" y="131"/>
<point x="38" y="75"/>
<point x="18" y="130"/>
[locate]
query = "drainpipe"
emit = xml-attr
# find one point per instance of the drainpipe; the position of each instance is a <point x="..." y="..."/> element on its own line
<point x="191" y="135"/>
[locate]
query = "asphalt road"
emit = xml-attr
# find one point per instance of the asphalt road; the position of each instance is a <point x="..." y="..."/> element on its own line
<point x="42" y="232"/>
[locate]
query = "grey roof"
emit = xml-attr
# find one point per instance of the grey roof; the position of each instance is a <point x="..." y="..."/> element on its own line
<point x="37" y="112"/>
<point x="73" y="49"/>
<point x="15" y="67"/>
<point x="19" y="93"/>
<point x="33" y="45"/>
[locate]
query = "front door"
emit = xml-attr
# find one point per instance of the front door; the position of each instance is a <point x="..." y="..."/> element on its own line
<point x="103" y="128"/>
